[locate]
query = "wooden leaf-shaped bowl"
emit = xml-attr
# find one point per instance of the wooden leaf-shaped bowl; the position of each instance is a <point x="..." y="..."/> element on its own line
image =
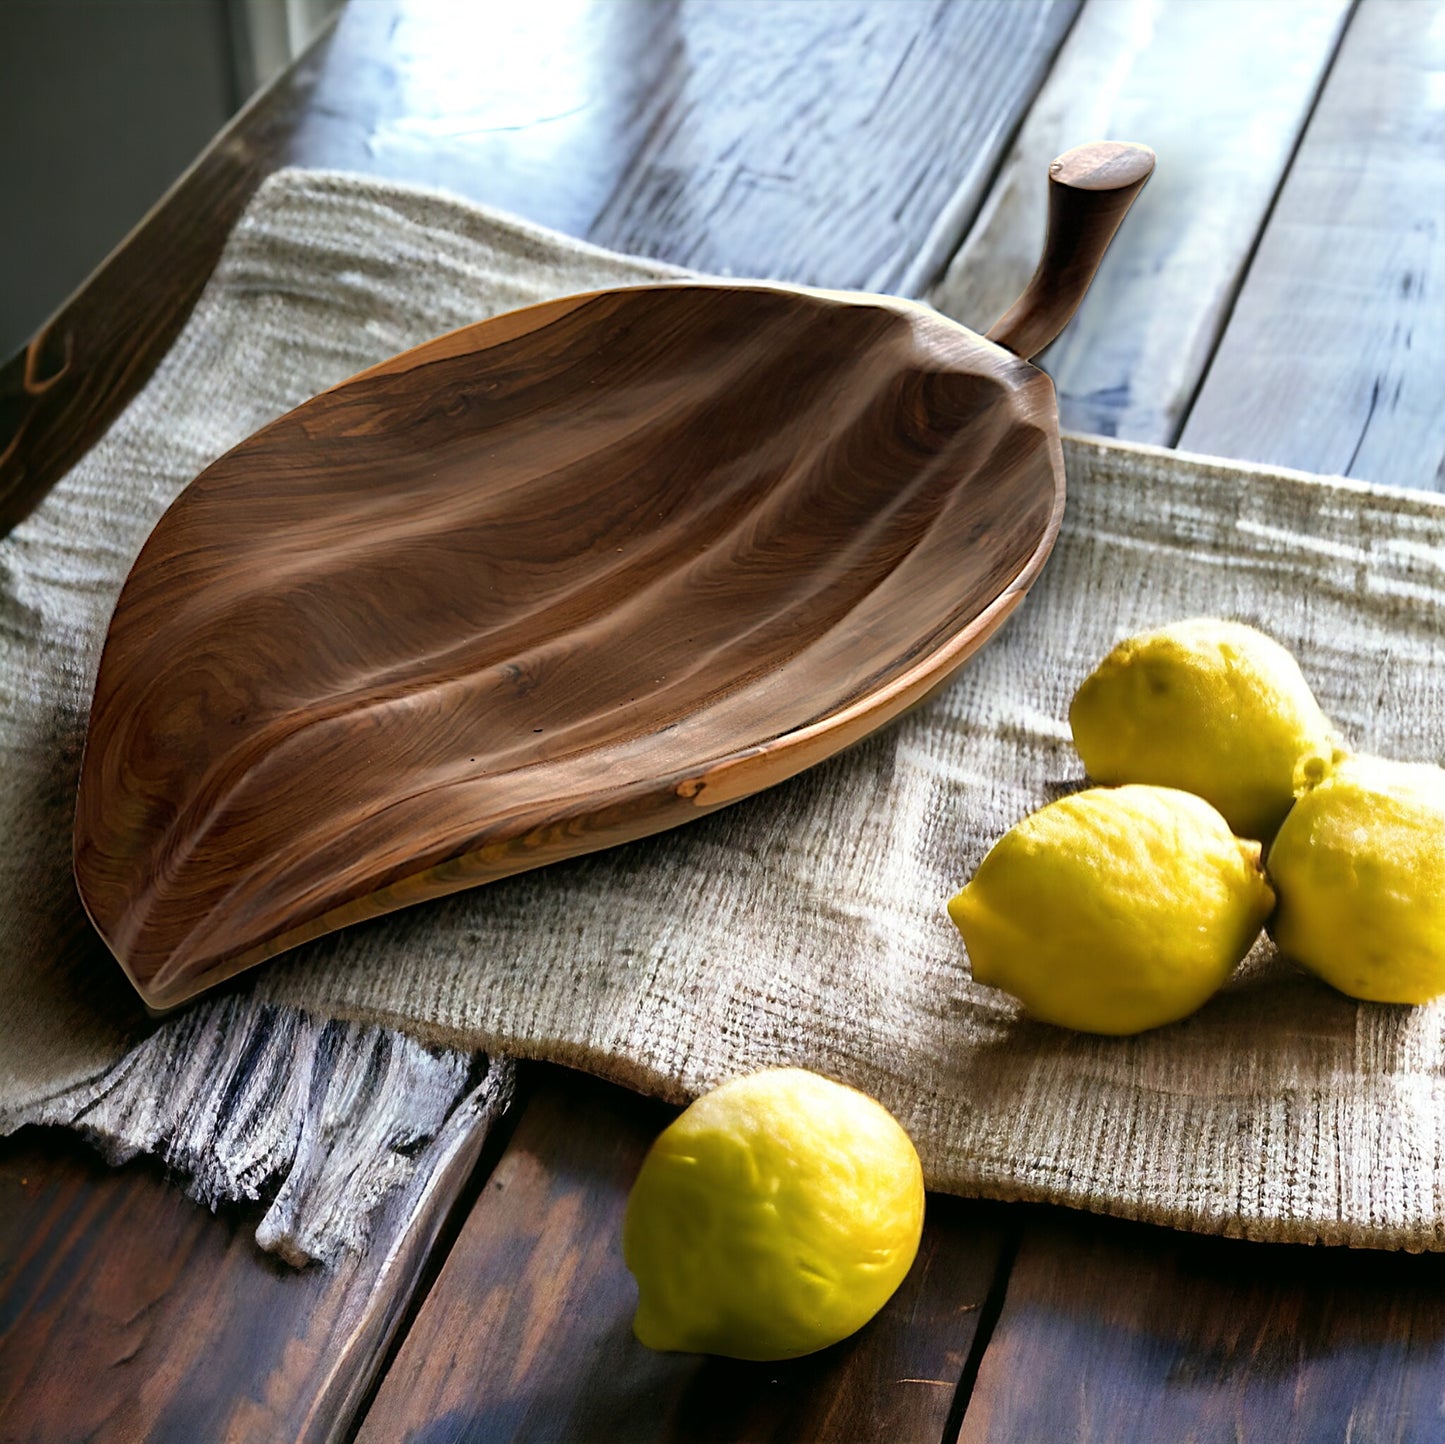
<point x="551" y="582"/>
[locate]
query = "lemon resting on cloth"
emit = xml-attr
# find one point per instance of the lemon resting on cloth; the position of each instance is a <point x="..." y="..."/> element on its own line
<point x="1212" y="707"/>
<point x="1115" y="909"/>
<point x="1359" y="866"/>
<point x="773" y="1217"/>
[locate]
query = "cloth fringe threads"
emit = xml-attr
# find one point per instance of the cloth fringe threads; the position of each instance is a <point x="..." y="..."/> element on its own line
<point x="326" y="1119"/>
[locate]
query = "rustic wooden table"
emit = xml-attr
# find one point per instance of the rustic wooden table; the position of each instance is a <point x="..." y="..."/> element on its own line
<point x="1273" y="297"/>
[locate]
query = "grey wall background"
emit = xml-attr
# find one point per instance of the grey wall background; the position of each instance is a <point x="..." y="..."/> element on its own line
<point x="103" y="103"/>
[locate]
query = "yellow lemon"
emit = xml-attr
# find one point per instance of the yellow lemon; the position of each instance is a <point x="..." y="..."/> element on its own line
<point x="1215" y="708"/>
<point x="773" y="1217"/>
<point x="1359" y="865"/>
<point x="1114" y="910"/>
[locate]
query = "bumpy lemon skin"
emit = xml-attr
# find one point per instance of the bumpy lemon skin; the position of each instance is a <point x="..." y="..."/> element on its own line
<point x="1114" y="910"/>
<point x="773" y="1217"/>
<point x="1213" y="707"/>
<point x="1359" y="866"/>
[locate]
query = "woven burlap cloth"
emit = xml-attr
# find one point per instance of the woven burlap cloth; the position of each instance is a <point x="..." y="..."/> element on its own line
<point x="803" y="926"/>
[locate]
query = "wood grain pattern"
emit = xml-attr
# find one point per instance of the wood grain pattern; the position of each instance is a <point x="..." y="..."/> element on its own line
<point x="130" y="1312"/>
<point x="770" y="183"/>
<point x="1223" y="101"/>
<point x="536" y="109"/>
<point x="1100" y="1341"/>
<point x="546" y="1352"/>
<point x="552" y="582"/>
<point x="613" y="119"/>
<point x="1334" y="352"/>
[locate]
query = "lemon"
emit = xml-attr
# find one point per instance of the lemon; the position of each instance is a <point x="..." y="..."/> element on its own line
<point x="1215" y="708"/>
<point x="773" y="1217"/>
<point x="1359" y="865"/>
<point x="1114" y="910"/>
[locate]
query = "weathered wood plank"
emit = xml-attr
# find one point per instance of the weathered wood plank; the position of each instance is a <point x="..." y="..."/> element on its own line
<point x="826" y="143"/>
<point x="782" y="139"/>
<point x="1333" y="356"/>
<point x="1106" y="1336"/>
<point x="527" y="1331"/>
<point x="537" y="109"/>
<point x="1222" y="93"/>
<point x="129" y="1312"/>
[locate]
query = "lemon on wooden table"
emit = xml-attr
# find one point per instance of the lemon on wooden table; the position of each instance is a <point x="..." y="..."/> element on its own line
<point x="1114" y="910"/>
<point x="1212" y="707"/>
<point x="773" y="1217"/>
<point x="1359" y="865"/>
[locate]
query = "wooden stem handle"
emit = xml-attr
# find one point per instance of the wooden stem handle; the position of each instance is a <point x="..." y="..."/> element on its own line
<point x="1090" y="190"/>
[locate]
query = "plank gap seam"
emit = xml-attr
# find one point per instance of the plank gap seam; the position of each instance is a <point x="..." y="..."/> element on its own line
<point x="1226" y="312"/>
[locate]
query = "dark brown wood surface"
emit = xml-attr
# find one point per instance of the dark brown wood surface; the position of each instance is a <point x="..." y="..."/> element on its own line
<point x="855" y="495"/>
<point x="1131" y="1333"/>
<point x="1104" y="1336"/>
<point x="526" y="1334"/>
<point x="128" y="1312"/>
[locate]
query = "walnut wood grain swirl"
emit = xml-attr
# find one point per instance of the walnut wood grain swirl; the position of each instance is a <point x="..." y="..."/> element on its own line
<point x="546" y="584"/>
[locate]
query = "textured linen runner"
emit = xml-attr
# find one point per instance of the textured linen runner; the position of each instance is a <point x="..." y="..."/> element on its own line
<point x="803" y="926"/>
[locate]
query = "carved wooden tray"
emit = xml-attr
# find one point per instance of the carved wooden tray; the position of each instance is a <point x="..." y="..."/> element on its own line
<point x="555" y="581"/>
